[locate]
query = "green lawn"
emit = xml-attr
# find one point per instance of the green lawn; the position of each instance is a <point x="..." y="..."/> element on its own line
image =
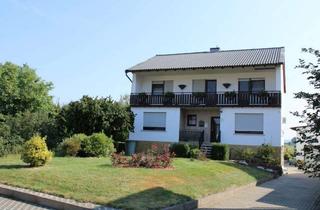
<point x="95" y="180"/>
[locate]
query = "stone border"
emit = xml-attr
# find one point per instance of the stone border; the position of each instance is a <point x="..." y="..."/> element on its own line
<point x="56" y="202"/>
<point x="49" y="201"/>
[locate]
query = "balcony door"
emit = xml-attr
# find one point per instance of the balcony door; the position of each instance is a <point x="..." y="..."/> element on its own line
<point x="249" y="90"/>
<point x="251" y="85"/>
<point x="211" y="86"/>
<point x="211" y="90"/>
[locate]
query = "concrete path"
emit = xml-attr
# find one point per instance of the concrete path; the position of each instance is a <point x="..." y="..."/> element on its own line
<point x="292" y="191"/>
<point x="11" y="204"/>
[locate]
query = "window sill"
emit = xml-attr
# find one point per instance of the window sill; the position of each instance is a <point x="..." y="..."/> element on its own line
<point x="249" y="133"/>
<point x="153" y="131"/>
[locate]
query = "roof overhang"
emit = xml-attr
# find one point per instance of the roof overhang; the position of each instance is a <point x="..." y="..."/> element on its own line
<point x="258" y="67"/>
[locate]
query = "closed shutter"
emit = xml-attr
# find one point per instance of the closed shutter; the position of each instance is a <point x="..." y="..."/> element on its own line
<point x="249" y="123"/>
<point x="154" y="121"/>
<point x="198" y="85"/>
<point x="168" y="86"/>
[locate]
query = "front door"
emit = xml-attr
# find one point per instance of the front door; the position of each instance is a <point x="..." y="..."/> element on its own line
<point x="215" y="129"/>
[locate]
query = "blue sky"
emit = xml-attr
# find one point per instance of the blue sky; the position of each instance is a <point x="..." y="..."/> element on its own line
<point x="83" y="47"/>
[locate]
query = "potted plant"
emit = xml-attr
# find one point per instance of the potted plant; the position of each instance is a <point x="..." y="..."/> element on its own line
<point x="168" y="97"/>
<point x="263" y="93"/>
<point x="230" y="94"/>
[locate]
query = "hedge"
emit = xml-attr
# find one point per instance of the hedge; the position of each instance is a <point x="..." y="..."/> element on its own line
<point x="220" y="151"/>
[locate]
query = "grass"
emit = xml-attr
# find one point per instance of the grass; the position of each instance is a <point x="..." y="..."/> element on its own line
<point x="95" y="180"/>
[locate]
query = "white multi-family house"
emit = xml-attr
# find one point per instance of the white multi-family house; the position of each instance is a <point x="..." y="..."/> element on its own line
<point x="227" y="96"/>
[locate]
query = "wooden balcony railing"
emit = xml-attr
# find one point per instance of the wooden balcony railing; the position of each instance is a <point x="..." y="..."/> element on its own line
<point x="219" y="99"/>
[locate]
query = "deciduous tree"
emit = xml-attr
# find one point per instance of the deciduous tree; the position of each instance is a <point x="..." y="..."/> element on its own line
<point x="310" y="116"/>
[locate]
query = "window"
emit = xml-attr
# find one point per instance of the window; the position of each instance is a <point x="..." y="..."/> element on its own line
<point x="198" y="85"/>
<point x="154" y="121"/>
<point x="251" y="85"/>
<point x="257" y="85"/>
<point x="192" y="120"/>
<point x="250" y="123"/>
<point x="157" y="88"/>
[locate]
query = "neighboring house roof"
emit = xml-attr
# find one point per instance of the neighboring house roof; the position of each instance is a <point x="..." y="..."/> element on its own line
<point x="217" y="59"/>
<point x="296" y="128"/>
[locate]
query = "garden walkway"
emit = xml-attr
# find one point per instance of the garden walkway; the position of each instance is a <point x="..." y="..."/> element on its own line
<point x="292" y="191"/>
<point x="12" y="204"/>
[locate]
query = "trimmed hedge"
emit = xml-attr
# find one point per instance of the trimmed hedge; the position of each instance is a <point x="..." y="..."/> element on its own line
<point x="220" y="151"/>
<point x="180" y="150"/>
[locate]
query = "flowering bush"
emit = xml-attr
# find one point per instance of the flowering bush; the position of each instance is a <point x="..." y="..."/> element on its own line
<point x="154" y="158"/>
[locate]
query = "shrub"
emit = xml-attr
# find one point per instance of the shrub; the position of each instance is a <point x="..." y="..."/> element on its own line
<point x="154" y="158"/>
<point x="196" y="153"/>
<point x="3" y="151"/>
<point x="180" y="150"/>
<point x="35" y="151"/>
<point x="97" y="145"/>
<point x="288" y="152"/>
<point x="300" y="164"/>
<point x="120" y="146"/>
<point x="266" y="154"/>
<point x="248" y="155"/>
<point x="220" y="151"/>
<point x="71" y="146"/>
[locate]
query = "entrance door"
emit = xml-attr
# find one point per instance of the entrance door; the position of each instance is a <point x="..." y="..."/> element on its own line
<point x="215" y="129"/>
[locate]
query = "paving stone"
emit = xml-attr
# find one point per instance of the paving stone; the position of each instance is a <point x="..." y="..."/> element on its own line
<point x="12" y="204"/>
<point x="292" y="191"/>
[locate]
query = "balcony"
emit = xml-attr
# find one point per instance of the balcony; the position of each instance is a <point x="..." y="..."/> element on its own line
<point x="202" y="99"/>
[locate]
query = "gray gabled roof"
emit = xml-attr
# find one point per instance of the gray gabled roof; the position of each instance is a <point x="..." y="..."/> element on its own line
<point x="219" y="59"/>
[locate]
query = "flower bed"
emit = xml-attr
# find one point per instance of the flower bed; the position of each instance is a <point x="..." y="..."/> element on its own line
<point x="156" y="157"/>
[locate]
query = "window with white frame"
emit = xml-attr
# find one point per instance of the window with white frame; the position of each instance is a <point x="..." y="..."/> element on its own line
<point x="249" y="123"/>
<point x="154" y="121"/>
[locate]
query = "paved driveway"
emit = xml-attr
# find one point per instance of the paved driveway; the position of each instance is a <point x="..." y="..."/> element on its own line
<point x="292" y="191"/>
<point x="11" y="204"/>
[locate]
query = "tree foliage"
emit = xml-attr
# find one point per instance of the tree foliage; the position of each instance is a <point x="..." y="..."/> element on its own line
<point x="93" y="115"/>
<point x="22" y="90"/>
<point x="310" y="116"/>
<point x="25" y="105"/>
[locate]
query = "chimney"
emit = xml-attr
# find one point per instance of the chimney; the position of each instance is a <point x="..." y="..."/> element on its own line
<point x="214" y="49"/>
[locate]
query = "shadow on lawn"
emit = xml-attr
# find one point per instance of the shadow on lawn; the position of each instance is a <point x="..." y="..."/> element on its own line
<point x="253" y="172"/>
<point x="14" y="166"/>
<point x="153" y="198"/>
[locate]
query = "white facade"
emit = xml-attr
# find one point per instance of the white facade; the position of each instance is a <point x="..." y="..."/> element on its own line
<point x="170" y="134"/>
<point x="271" y="127"/>
<point x="176" y="117"/>
<point x="142" y="81"/>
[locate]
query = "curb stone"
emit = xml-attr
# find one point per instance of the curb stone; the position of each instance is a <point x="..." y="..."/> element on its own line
<point x="46" y="200"/>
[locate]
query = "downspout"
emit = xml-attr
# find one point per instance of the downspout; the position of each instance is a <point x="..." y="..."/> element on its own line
<point x="128" y="76"/>
<point x="284" y="78"/>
